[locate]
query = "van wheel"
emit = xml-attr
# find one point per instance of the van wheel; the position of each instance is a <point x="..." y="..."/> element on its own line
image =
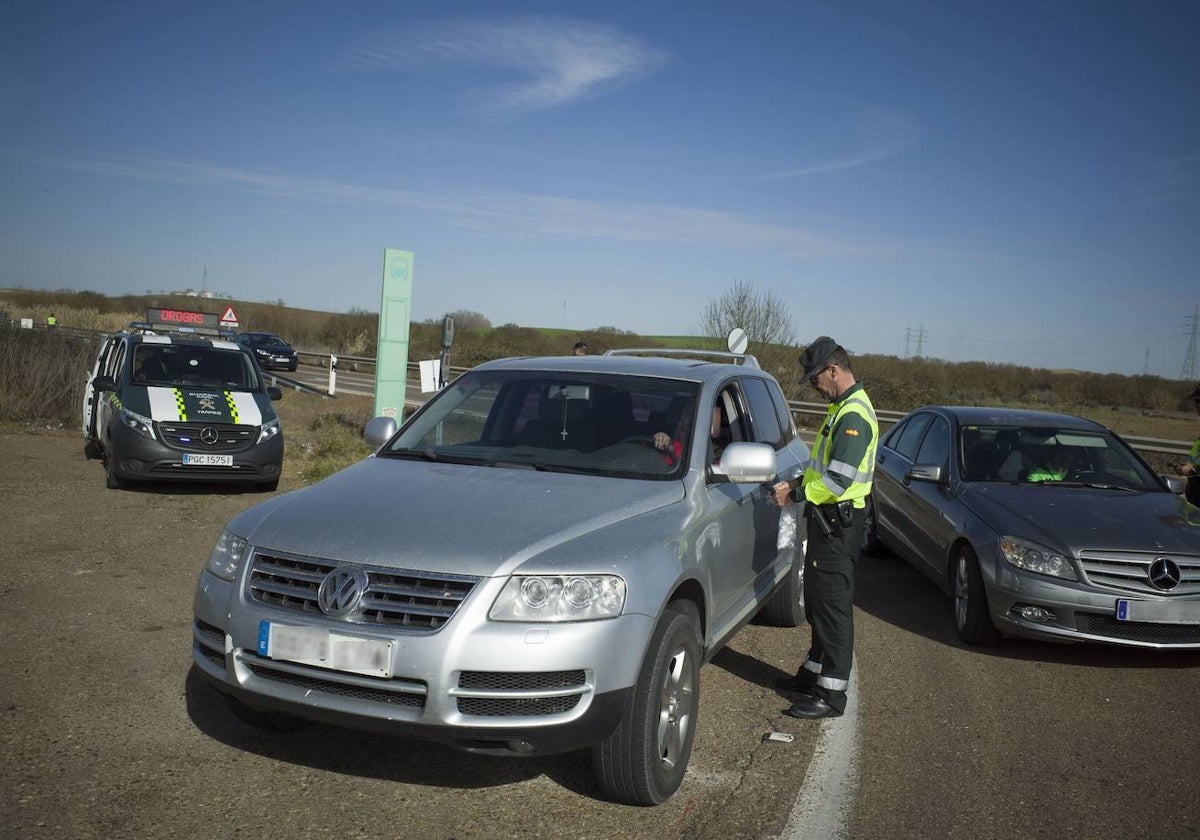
<point x="644" y="760"/>
<point x="91" y="449"/>
<point x="111" y="479"/>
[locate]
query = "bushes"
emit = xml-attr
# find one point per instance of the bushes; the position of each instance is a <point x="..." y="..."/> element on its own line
<point x="42" y="374"/>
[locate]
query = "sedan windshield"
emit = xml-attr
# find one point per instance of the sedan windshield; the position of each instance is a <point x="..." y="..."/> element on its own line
<point x="1052" y="456"/>
<point x="577" y="422"/>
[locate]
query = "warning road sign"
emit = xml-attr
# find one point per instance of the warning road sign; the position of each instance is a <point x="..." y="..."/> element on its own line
<point x="230" y="318"/>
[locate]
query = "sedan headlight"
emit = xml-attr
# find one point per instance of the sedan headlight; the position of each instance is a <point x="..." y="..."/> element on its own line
<point x="1035" y="558"/>
<point x="268" y="430"/>
<point x="559" y="598"/>
<point x="144" y="426"/>
<point x="226" y="556"/>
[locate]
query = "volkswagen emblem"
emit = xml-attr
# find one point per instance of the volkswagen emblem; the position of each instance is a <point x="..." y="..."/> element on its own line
<point x="209" y="435"/>
<point x="1163" y="573"/>
<point x="341" y="592"/>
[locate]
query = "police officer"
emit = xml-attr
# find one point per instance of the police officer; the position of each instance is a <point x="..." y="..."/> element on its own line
<point x="835" y="485"/>
<point x="51" y="321"/>
<point x="1191" y="469"/>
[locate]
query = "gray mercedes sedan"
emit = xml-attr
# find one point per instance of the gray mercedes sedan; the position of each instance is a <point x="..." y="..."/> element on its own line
<point x="537" y="561"/>
<point x="1039" y="525"/>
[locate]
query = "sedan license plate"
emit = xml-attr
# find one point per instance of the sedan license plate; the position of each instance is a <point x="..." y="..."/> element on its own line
<point x="1159" y="612"/>
<point x="323" y="649"/>
<point x="204" y="459"/>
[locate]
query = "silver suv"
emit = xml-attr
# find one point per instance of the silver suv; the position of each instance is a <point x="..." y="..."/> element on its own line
<point x="538" y="561"/>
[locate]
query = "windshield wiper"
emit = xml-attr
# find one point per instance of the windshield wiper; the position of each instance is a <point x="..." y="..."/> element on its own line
<point x="1094" y="485"/>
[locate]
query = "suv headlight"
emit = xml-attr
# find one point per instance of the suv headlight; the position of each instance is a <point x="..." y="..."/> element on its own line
<point x="268" y="430"/>
<point x="226" y="556"/>
<point x="144" y="426"/>
<point x="559" y="598"/>
<point x="1035" y="558"/>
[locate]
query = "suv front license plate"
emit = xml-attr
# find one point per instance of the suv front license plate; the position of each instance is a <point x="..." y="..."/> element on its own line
<point x="203" y="459"/>
<point x="1183" y="612"/>
<point x="323" y="649"/>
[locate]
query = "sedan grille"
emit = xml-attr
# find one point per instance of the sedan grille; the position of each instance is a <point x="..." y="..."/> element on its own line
<point x="189" y="436"/>
<point x="416" y="601"/>
<point x="1129" y="571"/>
<point x="1137" y="631"/>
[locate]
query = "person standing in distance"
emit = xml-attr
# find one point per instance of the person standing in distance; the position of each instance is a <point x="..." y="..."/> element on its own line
<point x="1191" y="469"/>
<point x="835" y="484"/>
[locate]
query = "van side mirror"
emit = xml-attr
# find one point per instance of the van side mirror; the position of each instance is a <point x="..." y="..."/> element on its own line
<point x="274" y="392"/>
<point x="104" y="383"/>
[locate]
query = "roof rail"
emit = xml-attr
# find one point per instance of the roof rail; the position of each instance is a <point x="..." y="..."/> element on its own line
<point x="725" y="355"/>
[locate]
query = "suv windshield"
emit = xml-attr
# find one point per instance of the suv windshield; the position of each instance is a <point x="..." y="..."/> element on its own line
<point x="172" y="366"/>
<point x="577" y="422"/>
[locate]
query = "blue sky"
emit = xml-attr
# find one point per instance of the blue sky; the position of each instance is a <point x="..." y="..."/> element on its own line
<point x="1008" y="181"/>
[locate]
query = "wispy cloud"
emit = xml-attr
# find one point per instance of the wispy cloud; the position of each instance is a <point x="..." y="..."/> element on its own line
<point x="1174" y="179"/>
<point x="558" y="60"/>
<point x="874" y="135"/>
<point x="502" y="213"/>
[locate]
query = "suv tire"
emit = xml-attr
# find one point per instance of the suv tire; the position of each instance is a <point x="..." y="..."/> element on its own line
<point x="645" y="758"/>
<point x="785" y="607"/>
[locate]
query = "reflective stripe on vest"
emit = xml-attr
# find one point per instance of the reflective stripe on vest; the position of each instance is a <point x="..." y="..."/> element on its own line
<point x="860" y="475"/>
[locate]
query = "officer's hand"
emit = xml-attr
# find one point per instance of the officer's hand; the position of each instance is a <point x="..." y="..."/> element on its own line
<point x="782" y="493"/>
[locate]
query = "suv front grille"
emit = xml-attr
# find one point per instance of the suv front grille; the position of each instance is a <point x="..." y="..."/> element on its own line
<point x="1129" y="571"/>
<point x="187" y="436"/>
<point x="417" y="601"/>
<point x="516" y="694"/>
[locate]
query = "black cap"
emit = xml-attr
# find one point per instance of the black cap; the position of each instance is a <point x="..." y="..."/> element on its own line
<point x="816" y="356"/>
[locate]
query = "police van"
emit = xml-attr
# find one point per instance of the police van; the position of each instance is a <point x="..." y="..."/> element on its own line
<point x="170" y="399"/>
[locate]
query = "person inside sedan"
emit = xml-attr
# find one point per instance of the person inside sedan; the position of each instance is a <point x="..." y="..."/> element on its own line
<point x="1054" y="464"/>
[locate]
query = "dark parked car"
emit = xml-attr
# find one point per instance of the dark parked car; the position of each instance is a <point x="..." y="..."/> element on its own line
<point x="271" y="351"/>
<point x="1040" y="525"/>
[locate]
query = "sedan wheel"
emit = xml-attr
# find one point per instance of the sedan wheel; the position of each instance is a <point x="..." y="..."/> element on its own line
<point x="971" y="617"/>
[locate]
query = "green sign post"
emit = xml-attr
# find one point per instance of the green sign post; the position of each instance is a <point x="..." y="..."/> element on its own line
<point x="391" y="355"/>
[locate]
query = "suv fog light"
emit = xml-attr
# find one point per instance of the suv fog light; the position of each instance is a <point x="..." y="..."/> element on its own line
<point x="1038" y="614"/>
<point x="518" y="746"/>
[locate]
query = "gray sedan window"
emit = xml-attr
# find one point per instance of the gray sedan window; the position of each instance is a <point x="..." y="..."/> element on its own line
<point x="935" y="449"/>
<point x="908" y="438"/>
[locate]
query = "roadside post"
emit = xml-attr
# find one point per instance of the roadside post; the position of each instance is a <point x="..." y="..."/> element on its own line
<point x="391" y="357"/>
<point x="447" y="340"/>
<point x="332" y="373"/>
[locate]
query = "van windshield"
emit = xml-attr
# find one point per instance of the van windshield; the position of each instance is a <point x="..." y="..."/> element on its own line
<point x="174" y="366"/>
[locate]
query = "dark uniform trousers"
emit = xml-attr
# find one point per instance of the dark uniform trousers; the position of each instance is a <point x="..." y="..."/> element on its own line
<point x="829" y="603"/>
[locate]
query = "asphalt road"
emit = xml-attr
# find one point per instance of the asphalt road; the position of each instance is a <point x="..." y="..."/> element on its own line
<point x="106" y="732"/>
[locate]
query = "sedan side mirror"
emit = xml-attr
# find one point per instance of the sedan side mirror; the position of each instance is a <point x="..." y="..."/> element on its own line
<point x="925" y="472"/>
<point x="1175" y="483"/>
<point x="379" y="429"/>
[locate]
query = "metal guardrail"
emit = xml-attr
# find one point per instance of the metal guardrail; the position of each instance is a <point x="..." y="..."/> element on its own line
<point x="1144" y="444"/>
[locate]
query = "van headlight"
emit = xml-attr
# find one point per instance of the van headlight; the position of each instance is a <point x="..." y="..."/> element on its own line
<point x="1035" y="558"/>
<point x="226" y="556"/>
<point x="268" y="430"/>
<point x="559" y="598"/>
<point x="144" y="426"/>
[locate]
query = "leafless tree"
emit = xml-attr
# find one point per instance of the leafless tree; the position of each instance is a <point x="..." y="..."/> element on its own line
<point x="763" y="315"/>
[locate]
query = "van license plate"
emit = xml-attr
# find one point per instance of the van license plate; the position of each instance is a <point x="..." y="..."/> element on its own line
<point x="204" y="459"/>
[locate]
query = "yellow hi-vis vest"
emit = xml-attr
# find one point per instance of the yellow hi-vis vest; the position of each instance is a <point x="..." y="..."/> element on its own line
<point x="819" y="486"/>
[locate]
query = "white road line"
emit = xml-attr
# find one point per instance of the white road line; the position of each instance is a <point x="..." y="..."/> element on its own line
<point x="823" y="805"/>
